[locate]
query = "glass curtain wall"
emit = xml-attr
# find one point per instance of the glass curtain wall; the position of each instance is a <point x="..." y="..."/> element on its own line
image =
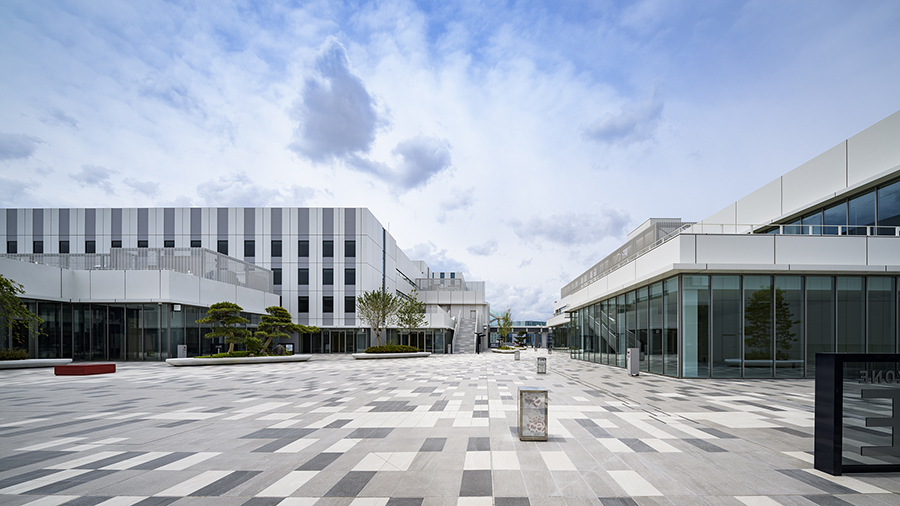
<point x="655" y="358"/>
<point x="758" y="332"/>
<point x="695" y="326"/>
<point x="643" y="327"/>
<point x="851" y="321"/>
<point x="820" y="326"/>
<point x="726" y="326"/>
<point x="789" y="338"/>
<point x="670" y="302"/>
<point x="881" y="314"/>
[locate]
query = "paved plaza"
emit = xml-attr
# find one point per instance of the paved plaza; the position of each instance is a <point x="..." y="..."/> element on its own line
<point x="410" y="432"/>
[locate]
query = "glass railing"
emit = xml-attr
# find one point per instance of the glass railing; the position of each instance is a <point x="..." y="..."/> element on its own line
<point x="199" y="262"/>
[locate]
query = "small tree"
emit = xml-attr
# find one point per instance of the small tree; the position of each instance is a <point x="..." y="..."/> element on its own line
<point x="225" y="318"/>
<point x="277" y="324"/>
<point x="504" y="324"/>
<point x="14" y="313"/>
<point x="378" y="309"/>
<point x="411" y="313"/>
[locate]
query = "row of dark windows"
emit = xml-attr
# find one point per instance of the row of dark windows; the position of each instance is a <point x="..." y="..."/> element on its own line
<point x="327" y="276"/>
<point x="90" y="246"/>
<point x="875" y="208"/>
<point x="327" y="304"/>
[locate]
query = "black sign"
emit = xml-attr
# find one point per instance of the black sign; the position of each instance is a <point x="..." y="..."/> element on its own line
<point x="857" y="413"/>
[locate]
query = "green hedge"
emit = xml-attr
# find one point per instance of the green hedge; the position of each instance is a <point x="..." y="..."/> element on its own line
<point x="236" y="354"/>
<point x="13" y="354"/>
<point x="392" y="348"/>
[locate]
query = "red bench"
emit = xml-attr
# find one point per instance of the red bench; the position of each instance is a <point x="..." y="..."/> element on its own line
<point x="83" y="369"/>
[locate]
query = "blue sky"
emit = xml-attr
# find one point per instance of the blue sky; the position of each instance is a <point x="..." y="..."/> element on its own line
<point x="518" y="142"/>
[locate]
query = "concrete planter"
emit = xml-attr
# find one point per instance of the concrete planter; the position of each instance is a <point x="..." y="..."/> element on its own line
<point x="368" y="356"/>
<point x="495" y="350"/>
<point x="182" y="362"/>
<point x="33" y="362"/>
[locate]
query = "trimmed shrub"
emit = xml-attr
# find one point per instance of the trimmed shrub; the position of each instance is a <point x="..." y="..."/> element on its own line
<point x="13" y="354"/>
<point x="392" y="348"/>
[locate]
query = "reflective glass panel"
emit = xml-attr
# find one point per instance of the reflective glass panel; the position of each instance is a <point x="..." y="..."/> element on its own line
<point x="758" y="345"/>
<point x="811" y="224"/>
<point x="889" y="208"/>
<point x="851" y="322"/>
<point x="726" y="326"/>
<point x="819" y="319"/>
<point x="656" y="328"/>
<point x="788" y="326"/>
<point x="695" y="324"/>
<point x="643" y="326"/>
<point x="881" y="315"/>
<point x="861" y="212"/>
<point x="835" y="215"/>
<point x="670" y="302"/>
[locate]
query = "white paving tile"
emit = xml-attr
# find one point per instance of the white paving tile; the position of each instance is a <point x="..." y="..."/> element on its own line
<point x="42" y="481"/>
<point x="558" y="461"/>
<point x="289" y="484"/>
<point x="477" y="460"/>
<point x="296" y="446"/>
<point x="634" y="484"/>
<point x="182" y="464"/>
<point x="757" y="500"/>
<point x="193" y="484"/>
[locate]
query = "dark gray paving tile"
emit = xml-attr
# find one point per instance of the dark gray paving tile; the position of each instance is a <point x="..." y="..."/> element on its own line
<point x="94" y="430"/>
<point x="618" y="501"/>
<point x="22" y="478"/>
<point x="111" y="460"/>
<point x="511" y="501"/>
<point x="41" y="429"/>
<point x="263" y="501"/>
<point x="319" y="462"/>
<point x="176" y="424"/>
<point x="157" y="463"/>
<point x="433" y="444"/>
<point x="814" y="481"/>
<point x="225" y="483"/>
<point x="476" y="484"/>
<point x="827" y="500"/>
<point x="337" y="424"/>
<point x="479" y="444"/>
<point x="704" y="445"/>
<point x="86" y="501"/>
<point x="369" y="433"/>
<point x="592" y="428"/>
<point x="275" y="445"/>
<point x="351" y="484"/>
<point x="637" y="445"/>
<point x="405" y="501"/>
<point x="68" y="483"/>
<point x="279" y="434"/>
<point x="715" y="432"/>
<point x="793" y="432"/>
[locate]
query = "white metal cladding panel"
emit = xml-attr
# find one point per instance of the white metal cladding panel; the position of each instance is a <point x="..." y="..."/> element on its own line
<point x="726" y="216"/>
<point x="598" y="288"/>
<point x="250" y="300"/>
<point x="182" y="288"/>
<point x="761" y="206"/>
<point x="39" y="280"/>
<point x="663" y="256"/>
<point x="815" y="180"/>
<point x="76" y="285"/>
<point x="827" y="250"/>
<point x="142" y="285"/>
<point x="883" y="250"/>
<point x="107" y="285"/>
<point x="874" y="151"/>
<point x="736" y="249"/>
<point x="215" y="291"/>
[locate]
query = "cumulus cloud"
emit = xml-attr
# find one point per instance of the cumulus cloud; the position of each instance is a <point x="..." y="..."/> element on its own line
<point x="95" y="175"/>
<point x="147" y="188"/>
<point x="336" y="115"/>
<point x="12" y="191"/>
<point x="420" y="159"/>
<point x="174" y="94"/>
<point x="574" y="228"/>
<point x="526" y="302"/>
<point x="435" y="257"/>
<point x="486" y="249"/>
<point x="57" y="117"/>
<point x="462" y="199"/>
<point x="631" y="125"/>
<point x="238" y="190"/>
<point x="13" y="146"/>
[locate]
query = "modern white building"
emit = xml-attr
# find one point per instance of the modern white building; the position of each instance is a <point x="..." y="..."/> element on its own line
<point x="808" y="263"/>
<point x="129" y="284"/>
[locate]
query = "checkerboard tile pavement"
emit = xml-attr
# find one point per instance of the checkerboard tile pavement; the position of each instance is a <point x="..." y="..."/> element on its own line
<point x="412" y="432"/>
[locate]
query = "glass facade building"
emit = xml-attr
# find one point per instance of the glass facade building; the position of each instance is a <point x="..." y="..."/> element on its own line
<point x="740" y="325"/>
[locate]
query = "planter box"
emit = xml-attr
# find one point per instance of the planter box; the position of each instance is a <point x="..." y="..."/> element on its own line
<point x="181" y="362"/>
<point x="34" y="362"/>
<point x="495" y="350"/>
<point x="368" y="356"/>
<point x="84" y="369"/>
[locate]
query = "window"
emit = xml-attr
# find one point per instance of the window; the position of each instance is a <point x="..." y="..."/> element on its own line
<point x="328" y="304"/>
<point x="327" y="276"/>
<point x="250" y="248"/>
<point x="90" y="247"/>
<point x="303" y="249"/>
<point x="222" y="247"/>
<point x="143" y="244"/>
<point x="276" y="248"/>
<point x="350" y="249"/>
<point x="276" y="275"/>
<point x="302" y="276"/>
<point x="452" y="275"/>
<point x="38" y="247"/>
<point x="303" y="304"/>
<point x="116" y="243"/>
<point x="63" y="246"/>
<point x="327" y="249"/>
<point x="442" y="275"/>
<point x="169" y="243"/>
<point x="349" y="304"/>
<point x="349" y="276"/>
<point x="12" y="247"/>
<point x="196" y="243"/>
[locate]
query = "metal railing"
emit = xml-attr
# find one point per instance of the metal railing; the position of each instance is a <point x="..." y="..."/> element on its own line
<point x="199" y="262"/>
<point x="624" y="256"/>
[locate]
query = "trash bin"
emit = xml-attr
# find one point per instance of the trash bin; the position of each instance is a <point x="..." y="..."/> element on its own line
<point x="517" y="354"/>
<point x="533" y="414"/>
<point x="632" y="361"/>
<point x="182" y="351"/>
<point x="542" y="365"/>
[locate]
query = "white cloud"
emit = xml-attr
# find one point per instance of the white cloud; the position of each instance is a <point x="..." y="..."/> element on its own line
<point x="486" y="249"/>
<point x="437" y="258"/>
<point x="146" y="188"/>
<point x="97" y="176"/>
<point x="574" y="228"/>
<point x="13" y="192"/>
<point x="239" y="190"/>
<point x="634" y="124"/>
<point x="13" y="146"/>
